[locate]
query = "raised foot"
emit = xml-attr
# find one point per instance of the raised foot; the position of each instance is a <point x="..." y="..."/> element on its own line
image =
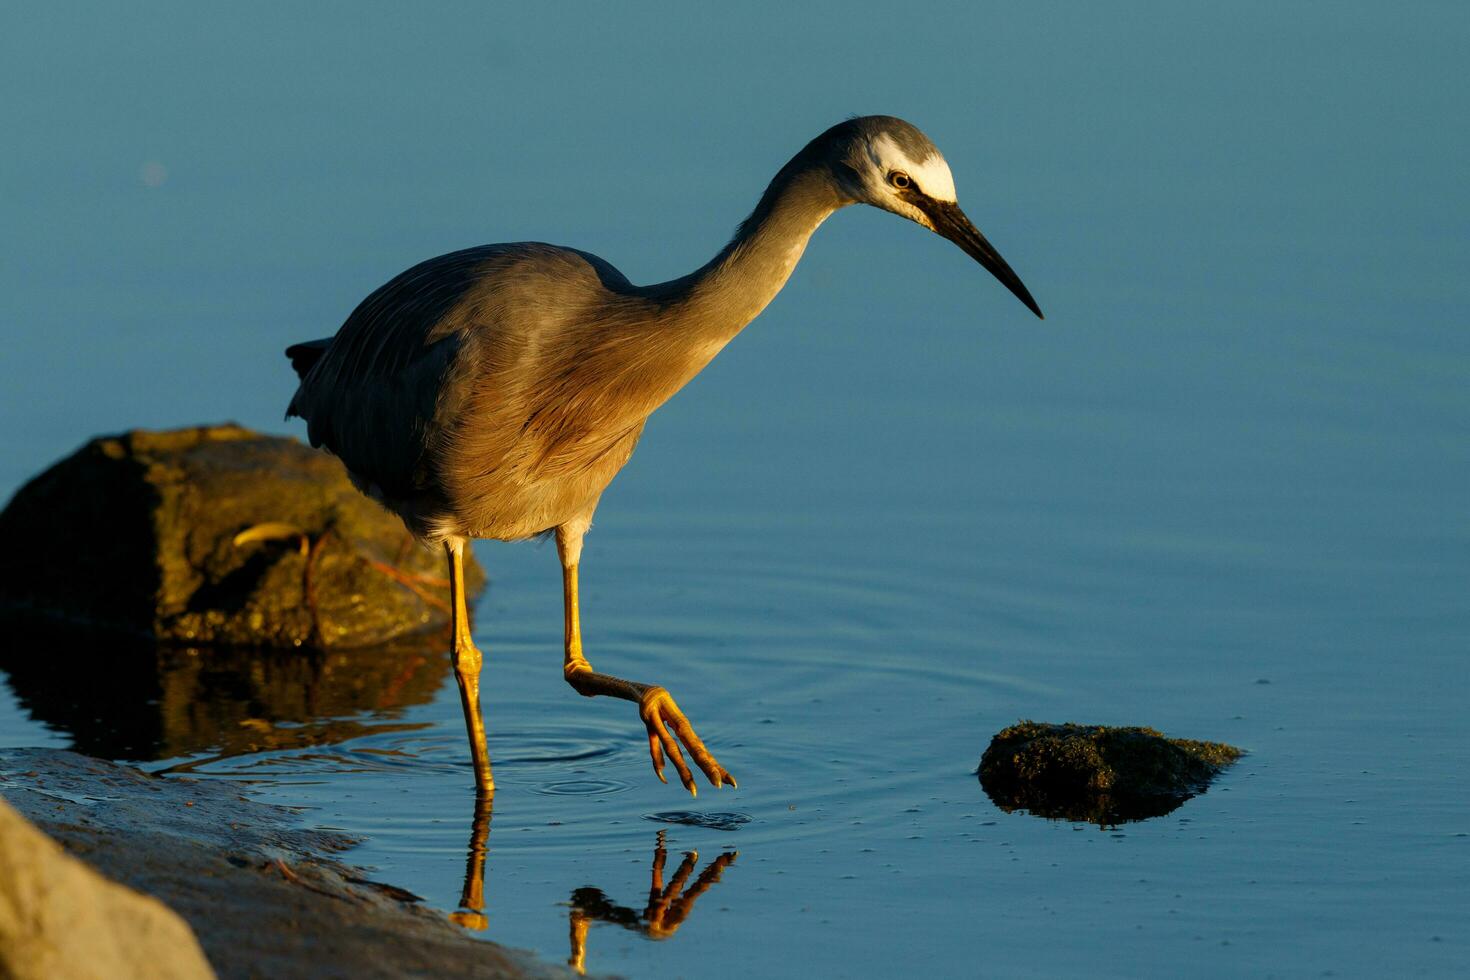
<point x="659" y="713"/>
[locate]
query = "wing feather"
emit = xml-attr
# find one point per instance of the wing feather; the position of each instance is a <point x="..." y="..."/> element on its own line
<point x="372" y="397"/>
<point x="387" y="389"/>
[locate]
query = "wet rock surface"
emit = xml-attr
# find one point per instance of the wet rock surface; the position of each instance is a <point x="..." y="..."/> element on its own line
<point x="1096" y="773"/>
<point x="264" y="897"/>
<point x="221" y="535"/>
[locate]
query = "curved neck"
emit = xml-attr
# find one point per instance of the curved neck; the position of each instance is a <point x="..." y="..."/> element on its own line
<point x="719" y="299"/>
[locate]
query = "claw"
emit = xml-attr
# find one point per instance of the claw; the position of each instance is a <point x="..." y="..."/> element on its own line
<point x="657" y="754"/>
<point x="659" y="713"/>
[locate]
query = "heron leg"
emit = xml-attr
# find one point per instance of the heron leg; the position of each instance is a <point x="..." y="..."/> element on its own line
<point x="656" y="707"/>
<point x="467" y="661"/>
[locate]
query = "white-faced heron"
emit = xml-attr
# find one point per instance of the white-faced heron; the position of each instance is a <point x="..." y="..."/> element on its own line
<point x="495" y="392"/>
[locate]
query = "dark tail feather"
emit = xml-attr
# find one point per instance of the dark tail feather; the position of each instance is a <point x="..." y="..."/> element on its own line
<point x="306" y="354"/>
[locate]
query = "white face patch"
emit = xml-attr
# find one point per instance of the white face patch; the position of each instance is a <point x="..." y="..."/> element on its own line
<point x="932" y="174"/>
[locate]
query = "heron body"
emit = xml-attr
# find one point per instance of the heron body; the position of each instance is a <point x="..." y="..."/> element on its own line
<point x="495" y="392"/>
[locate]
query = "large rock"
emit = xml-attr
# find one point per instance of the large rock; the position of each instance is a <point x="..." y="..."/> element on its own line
<point x="264" y="896"/>
<point x="59" y="918"/>
<point x="217" y="534"/>
<point x="1096" y="773"/>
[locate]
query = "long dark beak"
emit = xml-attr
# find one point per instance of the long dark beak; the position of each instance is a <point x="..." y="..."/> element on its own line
<point x="951" y="222"/>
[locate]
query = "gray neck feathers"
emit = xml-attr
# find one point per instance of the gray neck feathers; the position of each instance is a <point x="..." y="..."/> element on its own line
<point x="717" y="301"/>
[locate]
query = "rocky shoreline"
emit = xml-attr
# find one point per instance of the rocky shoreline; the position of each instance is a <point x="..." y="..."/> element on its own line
<point x="264" y="897"/>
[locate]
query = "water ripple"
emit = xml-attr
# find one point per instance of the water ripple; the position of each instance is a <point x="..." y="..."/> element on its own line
<point x="552" y="750"/>
<point x="582" y="787"/>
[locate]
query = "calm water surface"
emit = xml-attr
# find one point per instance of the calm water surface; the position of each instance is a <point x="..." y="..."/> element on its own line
<point x="1220" y="491"/>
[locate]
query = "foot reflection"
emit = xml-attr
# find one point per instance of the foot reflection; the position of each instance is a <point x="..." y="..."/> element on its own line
<point x="667" y="908"/>
<point x="668" y="905"/>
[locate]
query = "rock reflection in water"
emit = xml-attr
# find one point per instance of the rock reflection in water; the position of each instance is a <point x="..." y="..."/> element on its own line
<point x="126" y="698"/>
<point x="1101" y="808"/>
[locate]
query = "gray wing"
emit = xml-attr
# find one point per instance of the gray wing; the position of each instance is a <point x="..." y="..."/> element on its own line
<point x="371" y="396"/>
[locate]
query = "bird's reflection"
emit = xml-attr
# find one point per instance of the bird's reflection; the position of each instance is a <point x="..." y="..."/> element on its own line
<point x="134" y="699"/>
<point x="471" y="912"/>
<point x="667" y="907"/>
<point x="121" y="697"/>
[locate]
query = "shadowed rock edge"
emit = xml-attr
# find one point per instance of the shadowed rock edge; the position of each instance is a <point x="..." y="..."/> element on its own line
<point x="217" y="535"/>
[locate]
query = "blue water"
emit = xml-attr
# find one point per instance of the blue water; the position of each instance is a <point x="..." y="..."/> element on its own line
<point x="1221" y="490"/>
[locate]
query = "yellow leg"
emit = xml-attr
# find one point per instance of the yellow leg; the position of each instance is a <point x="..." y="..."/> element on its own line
<point x="656" y="706"/>
<point x="467" y="662"/>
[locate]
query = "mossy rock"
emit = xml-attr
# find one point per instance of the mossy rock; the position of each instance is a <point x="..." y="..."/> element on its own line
<point x="1095" y="773"/>
<point x="220" y="535"/>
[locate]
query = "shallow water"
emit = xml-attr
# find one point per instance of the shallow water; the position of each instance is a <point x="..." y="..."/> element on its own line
<point x="853" y="706"/>
<point x="1220" y="491"/>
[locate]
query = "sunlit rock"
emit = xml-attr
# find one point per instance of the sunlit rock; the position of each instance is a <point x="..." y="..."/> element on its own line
<point x="220" y="535"/>
<point x="1095" y="773"/>
<point x="59" y="918"/>
<point x="265" y="896"/>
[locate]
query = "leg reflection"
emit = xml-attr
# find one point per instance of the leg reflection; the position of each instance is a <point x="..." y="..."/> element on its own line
<point x="579" y="921"/>
<point x="668" y="905"/>
<point x="471" y="912"/>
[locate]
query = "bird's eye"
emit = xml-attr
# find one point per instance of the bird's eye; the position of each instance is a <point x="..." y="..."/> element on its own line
<point x="900" y="180"/>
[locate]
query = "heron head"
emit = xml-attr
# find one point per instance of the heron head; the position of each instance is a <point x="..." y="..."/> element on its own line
<point x="890" y="164"/>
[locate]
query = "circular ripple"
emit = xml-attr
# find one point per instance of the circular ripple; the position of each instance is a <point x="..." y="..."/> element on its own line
<point x="710" y="821"/>
<point x="565" y="747"/>
<point x="565" y="753"/>
<point x="583" y="787"/>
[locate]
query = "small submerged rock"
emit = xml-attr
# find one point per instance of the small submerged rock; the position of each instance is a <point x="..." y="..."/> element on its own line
<point x="217" y="534"/>
<point x="693" y="818"/>
<point x="1095" y="773"/>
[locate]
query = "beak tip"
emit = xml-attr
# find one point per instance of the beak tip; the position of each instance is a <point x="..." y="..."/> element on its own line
<point x="950" y="222"/>
<point x="1024" y="295"/>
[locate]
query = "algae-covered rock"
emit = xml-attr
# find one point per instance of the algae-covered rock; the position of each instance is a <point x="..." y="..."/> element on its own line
<point x="1095" y="773"/>
<point x="217" y="534"/>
